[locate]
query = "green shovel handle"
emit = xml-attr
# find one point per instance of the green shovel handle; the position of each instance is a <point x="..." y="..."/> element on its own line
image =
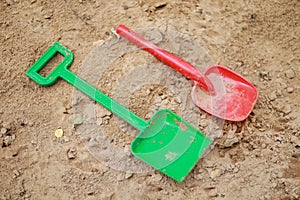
<point x="61" y="71"/>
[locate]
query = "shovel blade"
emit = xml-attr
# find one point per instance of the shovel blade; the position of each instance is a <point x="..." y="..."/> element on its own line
<point x="170" y="144"/>
<point x="235" y="96"/>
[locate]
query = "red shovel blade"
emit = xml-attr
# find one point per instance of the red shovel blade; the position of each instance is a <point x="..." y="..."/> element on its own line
<point x="235" y="96"/>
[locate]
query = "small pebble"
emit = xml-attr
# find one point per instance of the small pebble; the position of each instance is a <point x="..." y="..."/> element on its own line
<point x="244" y="73"/>
<point x="231" y="138"/>
<point x="178" y="100"/>
<point x="236" y="170"/>
<point x="215" y="173"/>
<point x="77" y="120"/>
<point x="8" y="140"/>
<point x="65" y="139"/>
<point x="229" y="142"/>
<point x="160" y="5"/>
<point x="213" y="193"/>
<point x="290" y="90"/>
<point x="9" y="2"/>
<point x="3" y="131"/>
<point x="203" y="124"/>
<point x="128" y="175"/>
<point x="274" y="159"/>
<point x="120" y="177"/>
<point x="286" y="109"/>
<point x="290" y="73"/>
<point x="295" y="140"/>
<point x="104" y="113"/>
<point x="71" y="153"/>
<point x="47" y="16"/>
<point x="272" y="96"/>
<point x="16" y="173"/>
<point x="156" y="177"/>
<point x="208" y="163"/>
<point x="6" y="125"/>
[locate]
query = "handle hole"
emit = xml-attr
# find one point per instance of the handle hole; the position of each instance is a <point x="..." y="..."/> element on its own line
<point x="51" y="64"/>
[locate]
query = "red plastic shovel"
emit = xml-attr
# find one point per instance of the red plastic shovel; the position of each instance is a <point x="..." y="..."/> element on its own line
<point x="219" y="90"/>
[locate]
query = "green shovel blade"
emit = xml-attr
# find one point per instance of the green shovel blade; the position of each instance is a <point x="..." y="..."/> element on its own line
<point x="170" y="144"/>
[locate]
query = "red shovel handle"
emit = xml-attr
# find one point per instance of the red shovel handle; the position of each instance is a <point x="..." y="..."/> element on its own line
<point x="168" y="58"/>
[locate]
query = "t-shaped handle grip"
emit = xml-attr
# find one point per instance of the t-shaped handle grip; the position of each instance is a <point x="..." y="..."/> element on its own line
<point x="33" y="71"/>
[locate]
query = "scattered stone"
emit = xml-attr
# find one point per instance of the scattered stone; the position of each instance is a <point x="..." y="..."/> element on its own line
<point x="6" y="125"/>
<point x="120" y="177"/>
<point x="71" y="153"/>
<point x="290" y="90"/>
<point x="230" y="141"/>
<point x="198" y="177"/>
<point x="156" y="177"/>
<point x="296" y="155"/>
<point x="65" y="139"/>
<point x="8" y="140"/>
<point x="274" y="159"/>
<point x="3" y="131"/>
<point x="272" y="96"/>
<point x="90" y="193"/>
<point x="77" y="120"/>
<point x="286" y="109"/>
<point x="290" y="73"/>
<point x="208" y="163"/>
<point x="209" y="186"/>
<point x="295" y="196"/>
<point x="178" y="100"/>
<point x="244" y="73"/>
<point x="215" y="173"/>
<point x="105" y="120"/>
<point x="16" y="173"/>
<point x="160" y="5"/>
<point x="264" y="75"/>
<point x="231" y="138"/>
<point x="203" y="124"/>
<point x="235" y="170"/>
<point x="33" y="142"/>
<point x="163" y="97"/>
<point x="127" y="150"/>
<point x="104" y="113"/>
<point x="239" y="63"/>
<point x="9" y="2"/>
<point x="295" y="140"/>
<point x="30" y="123"/>
<point x="100" y="121"/>
<point x="213" y="193"/>
<point x="128" y="175"/>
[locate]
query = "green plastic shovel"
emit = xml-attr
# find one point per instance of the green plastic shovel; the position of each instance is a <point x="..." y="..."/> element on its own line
<point x="166" y="142"/>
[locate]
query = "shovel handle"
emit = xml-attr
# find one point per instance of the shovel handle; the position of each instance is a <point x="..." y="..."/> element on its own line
<point x="61" y="71"/>
<point x="168" y="58"/>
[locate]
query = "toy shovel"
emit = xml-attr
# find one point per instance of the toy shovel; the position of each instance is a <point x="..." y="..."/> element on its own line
<point x="219" y="90"/>
<point x="166" y="142"/>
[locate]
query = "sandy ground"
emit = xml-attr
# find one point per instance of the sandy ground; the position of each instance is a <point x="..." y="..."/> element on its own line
<point x="258" y="158"/>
